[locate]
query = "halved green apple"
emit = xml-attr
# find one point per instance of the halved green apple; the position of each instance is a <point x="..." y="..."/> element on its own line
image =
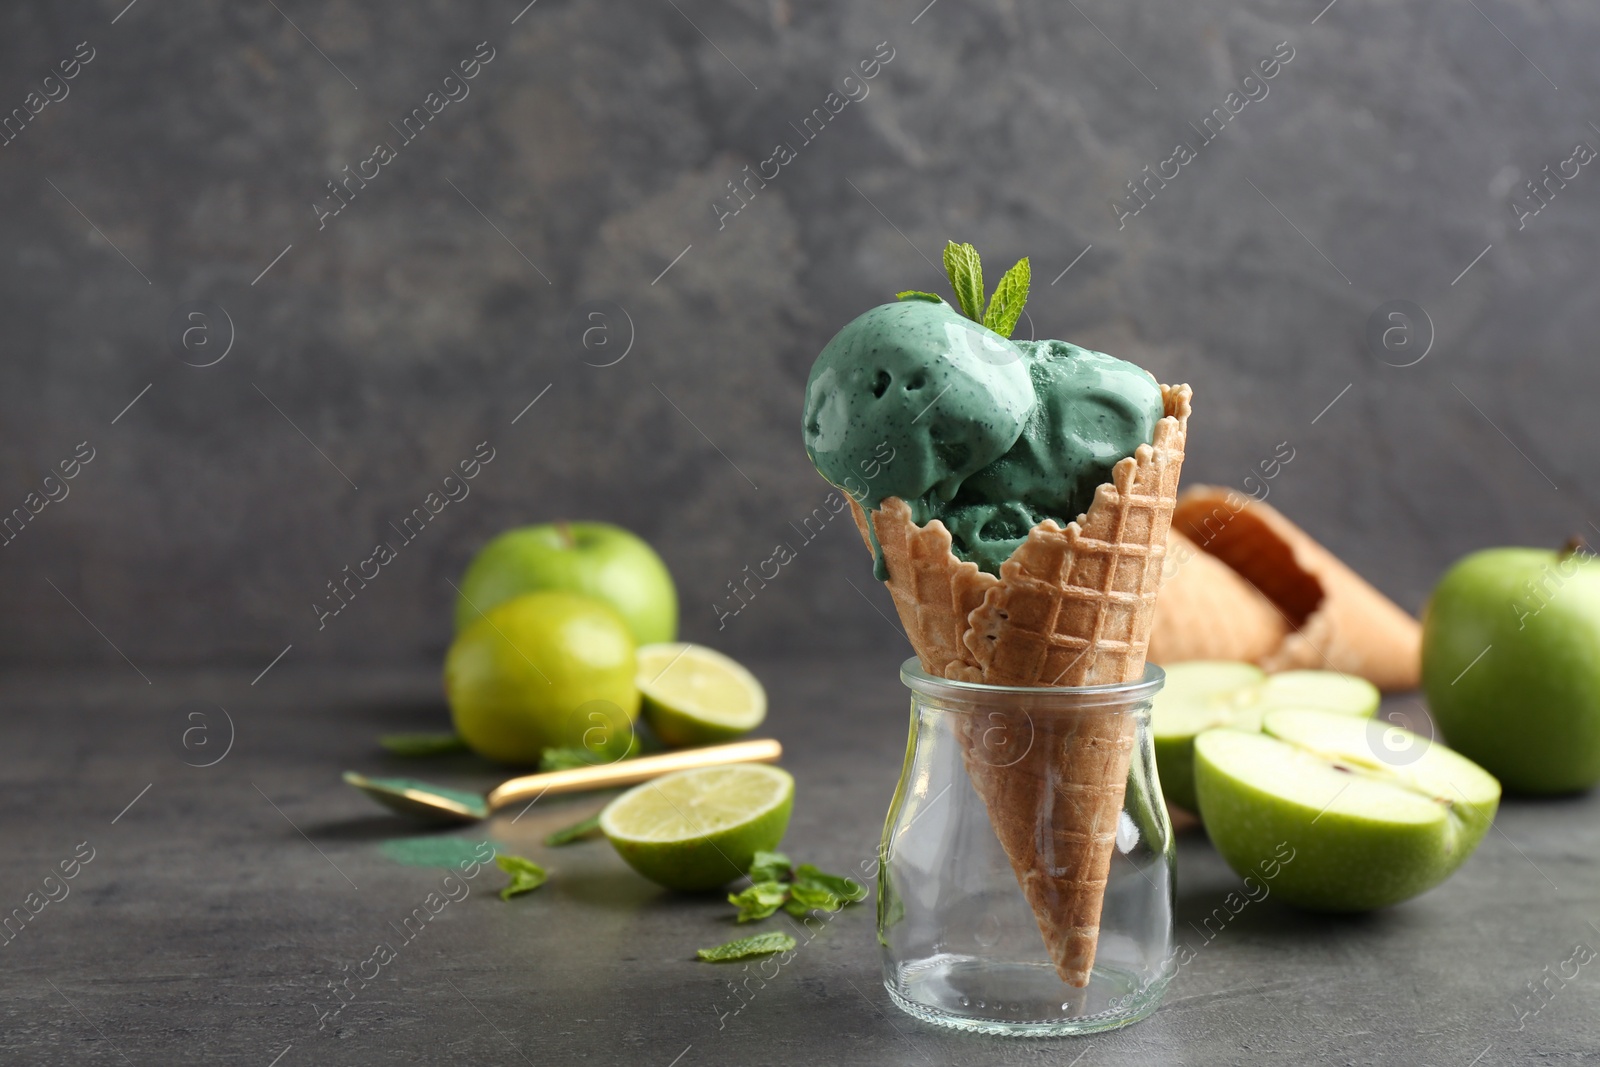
<point x="1205" y="694"/>
<point x="1323" y="807"/>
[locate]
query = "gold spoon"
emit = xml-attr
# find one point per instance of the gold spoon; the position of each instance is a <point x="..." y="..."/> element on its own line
<point x="440" y="804"/>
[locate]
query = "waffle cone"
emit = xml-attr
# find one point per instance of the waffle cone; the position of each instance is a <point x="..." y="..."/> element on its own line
<point x="1207" y="611"/>
<point x="933" y="592"/>
<point x="1073" y="606"/>
<point x="1334" y="619"/>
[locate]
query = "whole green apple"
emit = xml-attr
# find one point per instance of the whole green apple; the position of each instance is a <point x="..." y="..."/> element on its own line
<point x="593" y="558"/>
<point x="1340" y="813"/>
<point x="1511" y="665"/>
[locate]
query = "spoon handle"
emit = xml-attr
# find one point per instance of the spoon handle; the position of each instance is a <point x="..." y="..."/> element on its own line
<point x="630" y="771"/>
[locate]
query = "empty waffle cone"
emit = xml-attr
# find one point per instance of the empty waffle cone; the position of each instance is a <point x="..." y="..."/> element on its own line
<point x="1073" y="606"/>
<point x="1334" y="620"/>
<point x="1207" y="611"/>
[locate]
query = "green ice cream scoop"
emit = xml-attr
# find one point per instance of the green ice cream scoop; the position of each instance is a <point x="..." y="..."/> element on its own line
<point x="909" y="400"/>
<point x="1093" y="411"/>
<point x="913" y="400"/>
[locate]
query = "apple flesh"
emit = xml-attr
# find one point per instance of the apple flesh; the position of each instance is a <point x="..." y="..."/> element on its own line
<point x="1357" y="814"/>
<point x="592" y="558"/>
<point x="1201" y="695"/>
<point x="1511" y="665"/>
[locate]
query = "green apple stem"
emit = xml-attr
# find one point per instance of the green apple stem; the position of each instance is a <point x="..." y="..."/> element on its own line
<point x="564" y="530"/>
<point x="1575" y="546"/>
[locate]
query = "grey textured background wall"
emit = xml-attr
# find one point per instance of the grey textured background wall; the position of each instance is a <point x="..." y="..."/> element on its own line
<point x="422" y="319"/>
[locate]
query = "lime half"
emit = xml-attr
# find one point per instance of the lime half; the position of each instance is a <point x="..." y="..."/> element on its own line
<point x="694" y="695"/>
<point x="700" y="829"/>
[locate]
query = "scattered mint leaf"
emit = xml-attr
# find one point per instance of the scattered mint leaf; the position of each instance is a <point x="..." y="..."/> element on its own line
<point x="965" y="270"/>
<point x="848" y="890"/>
<point x="589" y="827"/>
<point x="745" y="947"/>
<point x="526" y="875"/>
<point x="770" y="867"/>
<point x="777" y="883"/>
<point x="809" y="895"/>
<point x="1005" y="306"/>
<point x="760" y="900"/>
<point x="916" y="294"/>
<point x="565" y="759"/>
<point x="432" y="744"/>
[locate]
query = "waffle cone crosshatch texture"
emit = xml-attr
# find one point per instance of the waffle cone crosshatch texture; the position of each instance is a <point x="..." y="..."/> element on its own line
<point x="1055" y="810"/>
<point x="1027" y="862"/>
<point x="1254" y="586"/>
<point x="1072" y="607"/>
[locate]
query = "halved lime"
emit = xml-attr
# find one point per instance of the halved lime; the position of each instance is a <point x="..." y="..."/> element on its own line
<point x="700" y="829"/>
<point x="695" y="695"/>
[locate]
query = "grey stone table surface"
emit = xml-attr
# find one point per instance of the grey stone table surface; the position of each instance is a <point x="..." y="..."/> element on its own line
<point x="219" y="903"/>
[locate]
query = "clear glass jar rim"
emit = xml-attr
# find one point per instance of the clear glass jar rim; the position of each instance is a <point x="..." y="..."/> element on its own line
<point x="945" y="689"/>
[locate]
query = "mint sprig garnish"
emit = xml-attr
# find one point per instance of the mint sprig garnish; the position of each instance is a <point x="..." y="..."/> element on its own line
<point x="965" y="269"/>
<point x="777" y="883"/>
<point x="526" y="875"/>
<point x="745" y="947"/>
<point x="917" y="294"/>
<point x="1005" y="306"/>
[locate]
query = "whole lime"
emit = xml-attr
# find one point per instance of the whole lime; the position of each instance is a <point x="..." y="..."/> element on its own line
<point x="594" y="558"/>
<point x="545" y="670"/>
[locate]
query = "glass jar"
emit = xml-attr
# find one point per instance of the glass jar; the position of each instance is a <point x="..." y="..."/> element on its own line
<point x="1026" y="877"/>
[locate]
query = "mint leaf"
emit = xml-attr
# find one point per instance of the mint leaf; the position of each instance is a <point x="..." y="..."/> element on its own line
<point x="589" y="827"/>
<point x="744" y="947"/>
<point x="769" y="867"/>
<point x="429" y="744"/>
<point x="810" y="895"/>
<point x="847" y="890"/>
<point x="760" y="900"/>
<point x="797" y="890"/>
<point x="526" y="875"/>
<point x="565" y="759"/>
<point x="965" y="269"/>
<point x="916" y="294"/>
<point x="1005" y="306"/>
